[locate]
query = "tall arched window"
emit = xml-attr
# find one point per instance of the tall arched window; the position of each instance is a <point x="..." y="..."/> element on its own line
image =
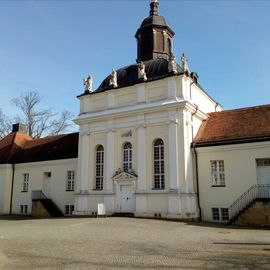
<point x="159" y="171"/>
<point x="127" y="157"/>
<point x="99" y="167"/>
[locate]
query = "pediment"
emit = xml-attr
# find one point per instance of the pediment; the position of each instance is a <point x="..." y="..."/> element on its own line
<point x="125" y="176"/>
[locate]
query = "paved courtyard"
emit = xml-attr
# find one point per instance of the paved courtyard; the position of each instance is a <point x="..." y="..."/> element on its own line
<point x="127" y="243"/>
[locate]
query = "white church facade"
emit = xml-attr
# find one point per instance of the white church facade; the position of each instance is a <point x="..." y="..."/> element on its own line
<point x="151" y="143"/>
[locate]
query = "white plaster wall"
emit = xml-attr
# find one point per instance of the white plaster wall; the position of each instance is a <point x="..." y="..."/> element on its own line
<point x="5" y="188"/>
<point x="240" y="173"/>
<point x="58" y="169"/>
<point x="164" y="109"/>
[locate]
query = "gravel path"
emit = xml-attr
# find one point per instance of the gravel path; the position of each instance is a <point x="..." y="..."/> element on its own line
<point x="129" y="243"/>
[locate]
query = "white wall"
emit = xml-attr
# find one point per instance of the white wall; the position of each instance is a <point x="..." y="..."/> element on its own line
<point x="36" y="170"/>
<point x="240" y="173"/>
<point x="159" y="109"/>
<point x="5" y="188"/>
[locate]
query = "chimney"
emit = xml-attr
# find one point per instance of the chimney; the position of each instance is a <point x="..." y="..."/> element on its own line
<point x="19" y="128"/>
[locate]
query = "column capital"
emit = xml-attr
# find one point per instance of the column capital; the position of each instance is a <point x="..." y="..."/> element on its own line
<point x="141" y="125"/>
<point x="85" y="133"/>
<point x="108" y="130"/>
<point x="172" y="121"/>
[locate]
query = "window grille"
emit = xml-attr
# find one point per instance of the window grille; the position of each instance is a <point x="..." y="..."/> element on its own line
<point x="70" y="180"/>
<point x="127" y="157"/>
<point x="99" y="167"/>
<point x="218" y="173"/>
<point x="25" y="182"/>
<point x="159" y="170"/>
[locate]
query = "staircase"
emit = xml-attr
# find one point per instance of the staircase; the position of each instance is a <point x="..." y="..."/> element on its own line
<point x="43" y="206"/>
<point x="245" y="201"/>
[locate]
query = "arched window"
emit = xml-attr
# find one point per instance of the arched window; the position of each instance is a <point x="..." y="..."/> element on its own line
<point x="99" y="167"/>
<point x="159" y="171"/>
<point x="127" y="157"/>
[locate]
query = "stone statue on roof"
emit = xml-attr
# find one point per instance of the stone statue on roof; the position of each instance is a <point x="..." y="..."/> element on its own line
<point x="184" y="63"/>
<point x="88" y="82"/>
<point x="141" y="71"/>
<point x="113" y="79"/>
<point x="173" y="64"/>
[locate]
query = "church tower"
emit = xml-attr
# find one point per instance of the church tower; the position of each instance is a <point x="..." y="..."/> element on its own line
<point x="154" y="37"/>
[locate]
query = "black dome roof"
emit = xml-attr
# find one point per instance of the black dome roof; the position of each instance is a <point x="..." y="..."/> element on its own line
<point x="154" y="20"/>
<point x="155" y="69"/>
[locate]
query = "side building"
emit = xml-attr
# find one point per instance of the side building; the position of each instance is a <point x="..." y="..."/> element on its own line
<point x="37" y="176"/>
<point x="233" y="158"/>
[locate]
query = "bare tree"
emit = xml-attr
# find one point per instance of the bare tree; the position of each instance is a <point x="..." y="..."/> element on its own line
<point x="5" y="125"/>
<point x="40" y="122"/>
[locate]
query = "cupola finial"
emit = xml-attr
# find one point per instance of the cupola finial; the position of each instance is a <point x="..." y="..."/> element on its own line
<point x="154" y="8"/>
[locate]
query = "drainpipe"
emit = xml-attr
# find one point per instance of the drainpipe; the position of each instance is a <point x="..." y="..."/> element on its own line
<point x="216" y="106"/>
<point x="197" y="180"/>
<point x="12" y="187"/>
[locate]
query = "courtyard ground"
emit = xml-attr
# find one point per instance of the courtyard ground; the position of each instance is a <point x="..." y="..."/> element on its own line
<point x="129" y="243"/>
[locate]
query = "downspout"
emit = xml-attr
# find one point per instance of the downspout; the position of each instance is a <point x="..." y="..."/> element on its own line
<point x="216" y="106"/>
<point x="196" y="159"/>
<point x="197" y="180"/>
<point x="12" y="187"/>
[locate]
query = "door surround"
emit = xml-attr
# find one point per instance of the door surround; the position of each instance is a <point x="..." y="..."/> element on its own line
<point x="125" y="184"/>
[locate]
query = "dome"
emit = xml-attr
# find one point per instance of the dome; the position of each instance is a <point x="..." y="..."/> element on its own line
<point x="155" y="69"/>
<point x="154" y="20"/>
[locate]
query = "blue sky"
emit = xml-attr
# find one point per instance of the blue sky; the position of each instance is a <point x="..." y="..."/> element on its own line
<point x="50" y="46"/>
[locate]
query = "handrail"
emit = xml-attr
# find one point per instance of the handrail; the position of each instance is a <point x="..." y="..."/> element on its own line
<point x="259" y="191"/>
<point x="38" y="195"/>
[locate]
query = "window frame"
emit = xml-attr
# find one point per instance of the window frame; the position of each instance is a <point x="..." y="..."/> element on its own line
<point x="70" y="180"/>
<point x="25" y="184"/>
<point x="215" y="213"/>
<point x="99" y="167"/>
<point x="127" y="157"/>
<point x="24" y="209"/>
<point x="69" y="208"/>
<point x="158" y="165"/>
<point x="220" y="214"/>
<point x="218" y="173"/>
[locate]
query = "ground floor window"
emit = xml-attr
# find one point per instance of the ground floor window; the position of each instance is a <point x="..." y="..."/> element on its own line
<point x="224" y="213"/>
<point x="263" y="171"/>
<point x="69" y="209"/>
<point x="24" y="209"/>
<point x="220" y="214"/>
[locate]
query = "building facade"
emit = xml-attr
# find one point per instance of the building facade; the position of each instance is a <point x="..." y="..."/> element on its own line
<point x="151" y="143"/>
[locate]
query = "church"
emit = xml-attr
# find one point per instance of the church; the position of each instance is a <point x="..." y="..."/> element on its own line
<point x="151" y="143"/>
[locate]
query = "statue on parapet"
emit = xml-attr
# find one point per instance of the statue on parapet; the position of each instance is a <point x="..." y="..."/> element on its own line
<point x="173" y="64"/>
<point x="184" y="63"/>
<point x="141" y="71"/>
<point x="113" y="79"/>
<point x="88" y="82"/>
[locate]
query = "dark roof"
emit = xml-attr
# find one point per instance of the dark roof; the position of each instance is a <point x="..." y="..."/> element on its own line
<point x="154" y="20"/>
<point x="20" y="148"/>
<point x="11" y="145"/>
<point x="155" y="69"/>
<point x="235" y="126"/>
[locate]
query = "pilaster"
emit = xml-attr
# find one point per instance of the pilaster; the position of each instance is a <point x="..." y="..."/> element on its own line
<point x="173" y="153"/>
<point x="84" y="166"/>
<point x="109" y="160"/>
<point x="141" y="157"/>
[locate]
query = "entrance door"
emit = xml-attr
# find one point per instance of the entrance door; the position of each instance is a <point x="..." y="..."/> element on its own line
<point x="127" y="202"/>
<point x="263" y="171"/>
<point x="47" y="185"/>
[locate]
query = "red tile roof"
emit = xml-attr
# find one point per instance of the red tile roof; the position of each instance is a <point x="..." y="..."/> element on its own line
<point x="235" y="126"/>
<point x="20" y="148"/>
